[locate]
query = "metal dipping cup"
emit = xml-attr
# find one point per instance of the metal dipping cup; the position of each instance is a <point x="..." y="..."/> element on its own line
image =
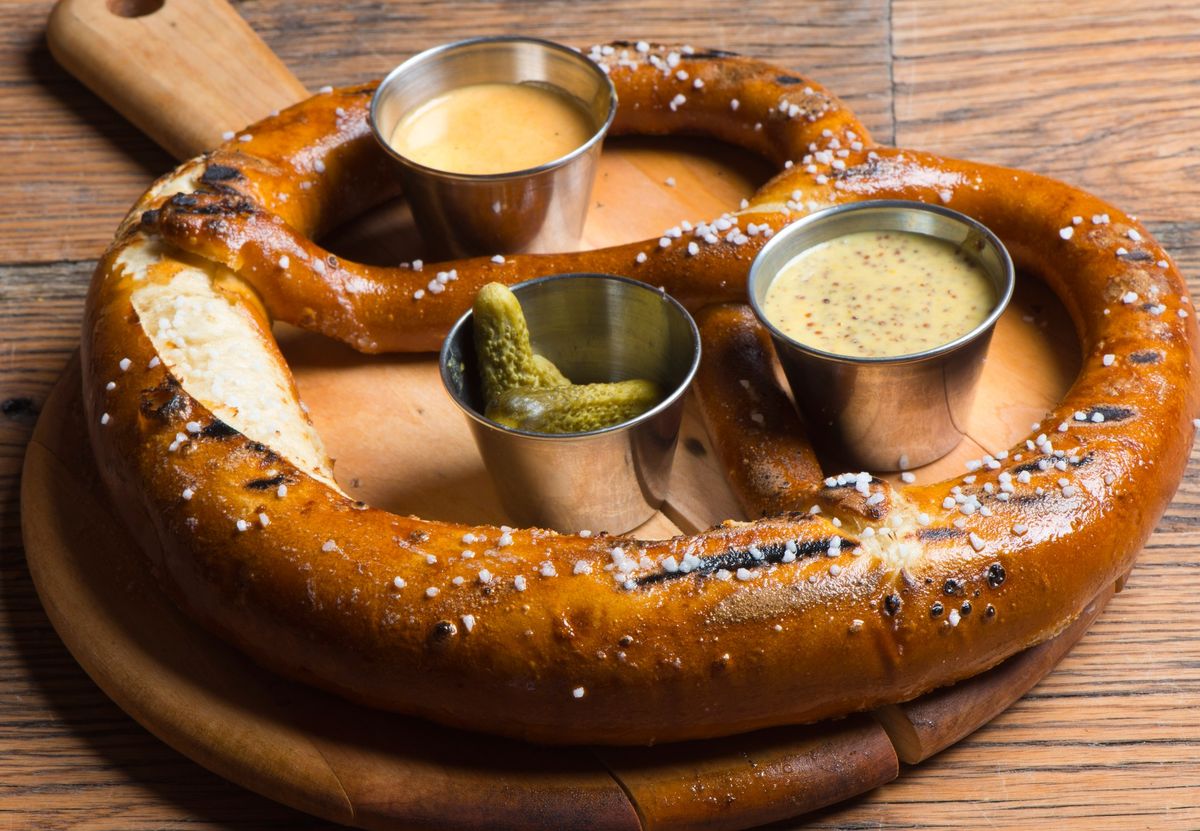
<point x="595" y="327"/>
<point x="536" y="210"/>
<point x="889" y="413"/>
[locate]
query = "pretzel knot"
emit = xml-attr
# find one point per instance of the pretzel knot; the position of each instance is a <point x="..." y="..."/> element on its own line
<point x="801" y="615"/>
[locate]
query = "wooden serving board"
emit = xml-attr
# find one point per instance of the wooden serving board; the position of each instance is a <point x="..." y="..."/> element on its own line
<point x="379" y="416"/>
<point x="377" y="770"/>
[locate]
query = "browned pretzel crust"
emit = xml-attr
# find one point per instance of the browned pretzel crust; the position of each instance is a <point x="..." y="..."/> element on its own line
<point x="569" y="638"/>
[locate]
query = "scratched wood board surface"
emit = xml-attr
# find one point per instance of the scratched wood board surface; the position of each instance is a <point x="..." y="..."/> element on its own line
<point x="1100" y="97"/>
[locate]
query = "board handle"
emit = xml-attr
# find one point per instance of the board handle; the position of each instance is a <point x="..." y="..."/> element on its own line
<point x="183" y="71"/>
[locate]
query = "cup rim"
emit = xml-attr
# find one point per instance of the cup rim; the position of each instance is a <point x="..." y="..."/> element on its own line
<point x="437" y="51"/>
<point x="666" y="403"/>
<point x="897" y="205"/>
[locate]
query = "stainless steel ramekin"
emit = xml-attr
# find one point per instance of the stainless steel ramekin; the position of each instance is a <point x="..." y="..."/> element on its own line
<point x="595" y="327"/>
<point x="887" y="413"/>
<point x="539" y="209"/>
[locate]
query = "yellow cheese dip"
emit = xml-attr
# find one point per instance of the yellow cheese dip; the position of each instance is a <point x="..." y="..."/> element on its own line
<point x="879" y="294"/>
<point x="493" y="128"/>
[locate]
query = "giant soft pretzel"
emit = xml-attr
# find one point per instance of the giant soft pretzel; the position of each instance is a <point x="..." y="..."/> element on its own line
<point x="878" y="597"/>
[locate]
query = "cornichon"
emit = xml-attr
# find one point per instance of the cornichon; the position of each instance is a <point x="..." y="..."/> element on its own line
<point x="574" y="409"/>
<point x="506" y="359"/>
<point x="527" y="391"/>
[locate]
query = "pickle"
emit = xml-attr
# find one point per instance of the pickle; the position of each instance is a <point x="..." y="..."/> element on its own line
<point x="506" y="359"/>
<point x="527" y="391"/>
<point x="573" y="409"/>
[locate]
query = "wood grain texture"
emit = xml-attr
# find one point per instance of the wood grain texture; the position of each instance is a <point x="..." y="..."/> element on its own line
<point x="1100" y="94"/>
<point x="222" y="76"/>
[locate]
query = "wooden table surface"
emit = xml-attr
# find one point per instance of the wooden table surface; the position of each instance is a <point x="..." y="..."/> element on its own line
<point x="1100" y="93"/>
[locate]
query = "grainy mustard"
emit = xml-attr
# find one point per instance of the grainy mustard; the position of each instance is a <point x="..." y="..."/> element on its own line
<point x="879" y="294"/>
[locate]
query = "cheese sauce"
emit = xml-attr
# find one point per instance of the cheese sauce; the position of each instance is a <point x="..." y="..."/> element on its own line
<point x="493" y="128"/>
<point x="879" y="294"/>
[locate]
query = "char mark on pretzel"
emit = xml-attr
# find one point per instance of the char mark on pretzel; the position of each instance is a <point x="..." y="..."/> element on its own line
<point x="163" y="401"/>
<point x="223" y="207"/>
<point x="1146" y="356"/>
<point x="1111" y="412"/>
<point x="218" y="429"/>
<point x="267" y="484"/>
<point x="734" y="559"/>
<point x="215" y="173"/>
<point x="1138" y="256"/>
<point x="261" y="449"/>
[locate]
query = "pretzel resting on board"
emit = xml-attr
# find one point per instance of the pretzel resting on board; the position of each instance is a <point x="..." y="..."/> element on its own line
<point x="883" y="594"/>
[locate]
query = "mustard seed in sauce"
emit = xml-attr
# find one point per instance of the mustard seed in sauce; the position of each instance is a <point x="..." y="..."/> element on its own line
<point x="879" y="294"/>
